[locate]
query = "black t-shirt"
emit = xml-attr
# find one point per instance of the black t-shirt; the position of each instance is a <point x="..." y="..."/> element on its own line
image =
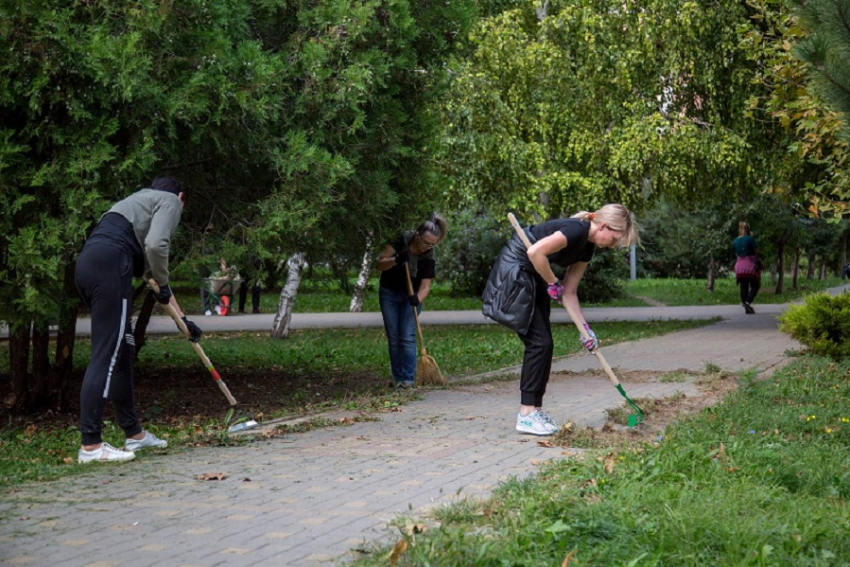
<point x="578" y="249"/>
<point x="422" y="267"/>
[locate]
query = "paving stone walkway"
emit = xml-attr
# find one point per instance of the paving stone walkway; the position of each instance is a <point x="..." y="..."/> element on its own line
<point x="310" y="498"/>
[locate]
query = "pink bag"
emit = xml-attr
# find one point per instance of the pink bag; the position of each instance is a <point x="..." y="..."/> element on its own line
<point x="745" y="267"/>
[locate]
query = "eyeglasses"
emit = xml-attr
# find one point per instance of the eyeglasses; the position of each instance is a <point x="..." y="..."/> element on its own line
<point x="425" y="244"/>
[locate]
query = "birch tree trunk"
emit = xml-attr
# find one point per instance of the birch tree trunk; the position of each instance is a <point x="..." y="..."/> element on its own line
<point x="362" y="279"/>
<point x="283" y="317"/>
<point x="711" y="268"/>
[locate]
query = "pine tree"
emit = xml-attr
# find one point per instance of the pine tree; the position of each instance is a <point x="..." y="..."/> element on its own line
<point x="827" y="50"/>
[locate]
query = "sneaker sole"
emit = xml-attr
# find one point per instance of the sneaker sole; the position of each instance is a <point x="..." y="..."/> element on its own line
<point x="532" y="432"/>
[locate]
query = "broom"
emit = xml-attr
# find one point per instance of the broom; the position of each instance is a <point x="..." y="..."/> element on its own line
<point x="427" y="371"/>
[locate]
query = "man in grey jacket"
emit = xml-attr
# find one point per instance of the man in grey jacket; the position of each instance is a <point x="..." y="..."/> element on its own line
<point x="132" y="239"/>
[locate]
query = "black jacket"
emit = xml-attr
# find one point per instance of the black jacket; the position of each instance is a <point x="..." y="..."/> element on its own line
<point x="509" y="295"/>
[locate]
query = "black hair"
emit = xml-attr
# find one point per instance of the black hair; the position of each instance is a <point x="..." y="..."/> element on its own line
<point x="168" y="184"/>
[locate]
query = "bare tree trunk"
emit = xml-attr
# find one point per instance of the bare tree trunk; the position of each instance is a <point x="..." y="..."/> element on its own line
<point x="38" y="394"/>
<point x="810" y="272"/>
<point x="59" y="383"/>
<point x="280" y="327"/>
<point x="822" y="271"/>
<point x="362" y="279"/>
<point x="780" y="268"/>
<point x="795" y="269"/>
<point x="710" y="283"/>
<point x="19" y="355"/>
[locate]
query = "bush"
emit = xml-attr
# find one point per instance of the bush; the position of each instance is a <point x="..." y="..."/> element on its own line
<point x="602" y="281"/>
<point x="473" y="243"/>
<point x="821" y="323"/>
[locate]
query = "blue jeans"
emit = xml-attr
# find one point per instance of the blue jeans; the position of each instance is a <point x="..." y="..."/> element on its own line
<point x="400" y="327"/>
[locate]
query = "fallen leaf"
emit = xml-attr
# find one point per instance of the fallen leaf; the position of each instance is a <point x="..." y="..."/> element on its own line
<point x="608" y="463"/>
<point x="733" y="469"/>
<point x="399" y="548"/>
<point x="29" y="431"/>
<point x="246" y="479"/>
<point x="258" y="417"/>
<point x="68" y="460"/>
<point x="412" y="529"/>
<point x="396" y="409"/>
<point x="537" y="462"/>
<point x="545" y="443"/>
<point x="566" y="562"/>
<point x="212" y="476"/>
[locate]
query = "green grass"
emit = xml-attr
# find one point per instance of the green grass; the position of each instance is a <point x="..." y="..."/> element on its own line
<point x="726" y="292"/>
<point x="324" y="296"/>
<point x="323" y="356"/>
<point x="761" y="479"/>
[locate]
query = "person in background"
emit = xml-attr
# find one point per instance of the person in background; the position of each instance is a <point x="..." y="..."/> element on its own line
<point x="522" y="286"/>
<point x="415" y="249"/>
<point x="130" y="240"/>
<point x="747" y="266"/>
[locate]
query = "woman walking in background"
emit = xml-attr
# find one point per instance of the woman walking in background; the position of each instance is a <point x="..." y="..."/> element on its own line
<point x="747" y="266"/>
<point x="522" y="285"/>
<point x="415" y="249"/>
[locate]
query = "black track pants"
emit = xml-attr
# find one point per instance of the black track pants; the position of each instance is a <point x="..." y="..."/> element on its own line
<point x="539" y="348"/>
<point x="749" y="289"/>
<point x="104" y="278"/>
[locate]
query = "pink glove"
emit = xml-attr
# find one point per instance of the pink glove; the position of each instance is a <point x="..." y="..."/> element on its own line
<point x="556" y="291"/>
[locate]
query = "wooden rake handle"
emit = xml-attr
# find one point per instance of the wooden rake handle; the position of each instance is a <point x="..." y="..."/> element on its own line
<point x="582" y="331"/>
<point x="415" y="311"/>
<point x="195" y="345"/>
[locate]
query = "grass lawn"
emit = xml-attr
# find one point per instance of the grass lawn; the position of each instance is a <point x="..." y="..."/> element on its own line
<point x="761" y="479"/>
<point x="323" y="296"/>
<point x="315" y="370"/>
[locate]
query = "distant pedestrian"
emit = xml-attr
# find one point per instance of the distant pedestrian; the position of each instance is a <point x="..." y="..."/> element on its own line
<point x="747" y="266"/>
<point x="415" y="249"/>
<point x="522" y="286"/>
<point x="846" y="273"/>
<point x="131" y="239"/>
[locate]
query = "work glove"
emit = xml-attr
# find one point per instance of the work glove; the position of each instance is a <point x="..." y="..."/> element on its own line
<point x="556" y="291"/>
<point x="164" y="294"/>
<point x="591" y="343"/>
<point x="413" y="300"/>
<point x="195" y="331"/>
<point x="402" y="256"/>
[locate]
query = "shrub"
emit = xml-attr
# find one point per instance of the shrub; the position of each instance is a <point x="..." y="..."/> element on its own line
<point x="468" y="253"/>
<point x="821" y="323"/>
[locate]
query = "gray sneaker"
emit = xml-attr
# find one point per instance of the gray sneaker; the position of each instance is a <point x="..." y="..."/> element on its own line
<point x="534" y="424"/>
<point x="149" y="440"/>
<point x="104" y="454"/>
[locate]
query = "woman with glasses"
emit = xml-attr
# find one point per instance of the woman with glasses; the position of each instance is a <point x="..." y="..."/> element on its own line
<point x="414" y="249"/>
<point x="522" y="285"/>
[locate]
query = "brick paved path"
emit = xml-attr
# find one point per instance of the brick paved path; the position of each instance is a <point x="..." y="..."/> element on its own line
<point x="309" y="498"/>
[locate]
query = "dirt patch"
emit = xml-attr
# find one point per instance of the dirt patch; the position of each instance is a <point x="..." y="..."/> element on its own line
<point x="180" y="398"/>
<point x="658" y="412"/>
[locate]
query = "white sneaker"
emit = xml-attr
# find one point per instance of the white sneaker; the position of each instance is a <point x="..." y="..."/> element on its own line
<point x="105" y="453"/>
<point x="547" y="418"/>
<point x="535" y="424"/>
<point x="149" y="440"/>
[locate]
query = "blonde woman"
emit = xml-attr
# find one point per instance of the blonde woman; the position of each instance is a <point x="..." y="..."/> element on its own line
<point x="747" y="266"/>
<point x="522" y="286"/>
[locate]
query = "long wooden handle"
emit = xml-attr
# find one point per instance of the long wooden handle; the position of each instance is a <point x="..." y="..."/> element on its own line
<point x="195" y="345"/>
<point x="582" y="331"/>
<point x="415" y="311"/>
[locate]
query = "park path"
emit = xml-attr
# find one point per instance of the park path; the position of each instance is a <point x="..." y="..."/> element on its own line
<point x="313" y="498"/>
